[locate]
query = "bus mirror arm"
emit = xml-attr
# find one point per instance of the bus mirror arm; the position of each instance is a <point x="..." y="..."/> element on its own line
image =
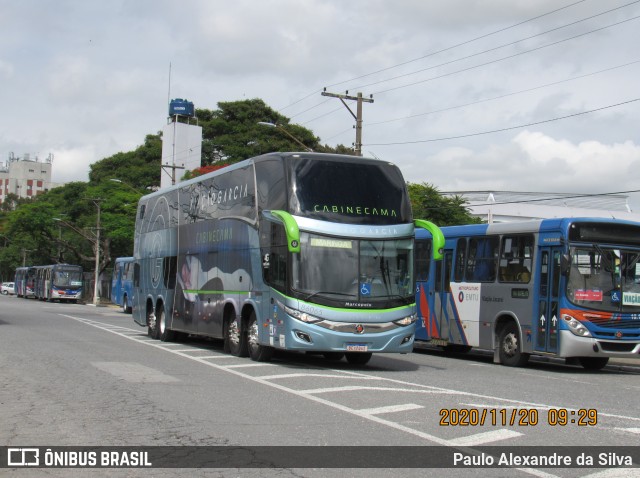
<point x="437" y="236"/>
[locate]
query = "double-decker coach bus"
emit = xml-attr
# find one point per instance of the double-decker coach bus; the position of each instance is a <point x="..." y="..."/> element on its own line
<point x="566" y="287"/>
<point x="25" y="281"/>
<point x="122" y="283"/>
<point x="295" y="251"/>
<point x="61" y="282"/>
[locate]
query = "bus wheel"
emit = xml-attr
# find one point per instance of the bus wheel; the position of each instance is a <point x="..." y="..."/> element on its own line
<point x="358" y="358"/>
<point x="257" y="352"/>
<point x="164" y="334"/>
<point x="125" y="305"/>
<point x="510" y="350"/>
<point x="152" y="325"/>
<point x="593" y="363"/>
<point x="234" y="340"/>
<point x="333" y="356"/>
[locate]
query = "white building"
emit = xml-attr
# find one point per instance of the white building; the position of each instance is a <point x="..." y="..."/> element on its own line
<point x="507" y="206"/>
<point x="25" y="177"/>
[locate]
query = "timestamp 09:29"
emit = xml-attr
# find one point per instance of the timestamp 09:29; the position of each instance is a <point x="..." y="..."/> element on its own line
<point x="520" y="417"/>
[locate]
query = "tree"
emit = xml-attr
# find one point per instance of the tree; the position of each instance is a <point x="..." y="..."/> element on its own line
<point x="428" y="203"/>
<point x="140" y="168"/>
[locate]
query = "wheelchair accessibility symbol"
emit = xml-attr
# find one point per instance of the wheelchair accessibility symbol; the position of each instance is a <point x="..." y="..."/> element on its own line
<point x="365" y="289"/>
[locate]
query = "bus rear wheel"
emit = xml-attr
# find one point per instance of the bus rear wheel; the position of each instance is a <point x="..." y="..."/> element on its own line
<point x="593" y="363"/>
<point x="126" y="309"/>
<point x="257" y="352"/>
<point x="165" y="334"/>
<point x="358" y="358"/>
<point x="510" y="348"/>
<point x="152" y="324"/>
<point x="234" y="340"/>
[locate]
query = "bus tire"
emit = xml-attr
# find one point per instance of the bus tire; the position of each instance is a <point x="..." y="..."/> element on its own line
<point x="510" y="348"/>
<point x="358" y="358"/>
<point x="593" y="363"/>
<point x="152" y="324"/>
<point x="234" y="338"/>
<point x="126" y="309"/>
<point x="164" y="333"/>
<point x="257" y="352"/>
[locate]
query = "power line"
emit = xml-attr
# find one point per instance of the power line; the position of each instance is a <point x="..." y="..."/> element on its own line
<point x="435" y="53"/>
<point x="498" y="47"/>
<point x="507" y="57"/>
<point x="484" y="100"/>
<point x="504" y="129"/>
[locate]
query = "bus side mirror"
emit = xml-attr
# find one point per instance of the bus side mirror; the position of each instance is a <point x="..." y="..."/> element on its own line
<point x="565" y="264"/>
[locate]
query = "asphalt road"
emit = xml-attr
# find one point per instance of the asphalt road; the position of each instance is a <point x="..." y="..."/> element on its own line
<point x="78" y="375"/>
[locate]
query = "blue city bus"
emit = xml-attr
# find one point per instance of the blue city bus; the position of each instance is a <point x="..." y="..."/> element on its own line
<point x="25" y="281"/>
<point x="122" y="283"/>
<point x="61" y="282"/>
<point x="292" y="251"/>
<point x="567" y="287"/>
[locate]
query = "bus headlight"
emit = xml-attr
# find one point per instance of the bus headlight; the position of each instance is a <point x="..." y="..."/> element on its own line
<point x="406" y="320"/>
<point x="301" y="316"/>
<point x="576" y="327"/>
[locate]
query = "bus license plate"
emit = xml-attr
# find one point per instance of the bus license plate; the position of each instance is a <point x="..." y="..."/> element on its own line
<point x="357" y="347"/>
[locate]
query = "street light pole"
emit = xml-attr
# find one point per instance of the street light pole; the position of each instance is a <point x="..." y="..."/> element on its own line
<point x="97" y="254"/>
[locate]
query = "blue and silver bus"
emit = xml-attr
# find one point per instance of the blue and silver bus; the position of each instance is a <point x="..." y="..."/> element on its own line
<point x="61" y="282"/>
<point x="567" y="287"/>
<point x="122" y="283"/>
<point x="294" y="251"/>
<point x="25" y="281"/>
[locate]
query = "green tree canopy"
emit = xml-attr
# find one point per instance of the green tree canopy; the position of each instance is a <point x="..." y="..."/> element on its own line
<point x="427" y="203"/>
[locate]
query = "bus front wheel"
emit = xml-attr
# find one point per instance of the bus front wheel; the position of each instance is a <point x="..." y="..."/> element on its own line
<point x="257" y="352"/>
<point x="510" y="348"/>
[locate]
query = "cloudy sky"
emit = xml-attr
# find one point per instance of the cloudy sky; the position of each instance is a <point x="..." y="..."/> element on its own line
<point x="515" y="95"/>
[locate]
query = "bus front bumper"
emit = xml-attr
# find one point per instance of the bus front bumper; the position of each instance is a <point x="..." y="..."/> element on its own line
<point x="573" y="346"/>
<point x="301" y="336"/>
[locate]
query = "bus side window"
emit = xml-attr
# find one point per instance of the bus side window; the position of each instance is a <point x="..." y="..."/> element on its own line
<point x="461" y="259"/>
<point x="516" y="259"/>
<point x="423" y="259"/>
<point x="483" y="254"/>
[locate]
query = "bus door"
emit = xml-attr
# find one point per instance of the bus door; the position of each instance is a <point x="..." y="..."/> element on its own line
<point x="548" y="314"/>
<point x="443" y="308"/>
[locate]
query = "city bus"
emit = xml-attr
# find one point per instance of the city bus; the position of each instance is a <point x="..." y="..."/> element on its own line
<point x="24" y="281"/>
<point x="122" y="283"/>
<point x="564" y="287"/>
<point x="304" y="252"/>
<point x="61" y="282"/>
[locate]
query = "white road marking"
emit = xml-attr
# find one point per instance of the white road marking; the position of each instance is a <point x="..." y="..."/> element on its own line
<point x="134" y="372"/>
<point x="390" y="409"/>
<point x="346" y="409"/>
<point x="485" y="437"/>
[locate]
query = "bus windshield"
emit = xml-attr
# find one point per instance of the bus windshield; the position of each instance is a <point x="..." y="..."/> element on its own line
<point x="330" y="270"/>
<point x="605" y="278"/>
<point x="64" y="278"/>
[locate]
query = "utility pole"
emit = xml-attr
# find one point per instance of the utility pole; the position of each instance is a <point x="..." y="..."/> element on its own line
<point x="358" y="116"/>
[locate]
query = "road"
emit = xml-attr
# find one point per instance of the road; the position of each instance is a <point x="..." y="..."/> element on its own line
<point x="77" y="375"/>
